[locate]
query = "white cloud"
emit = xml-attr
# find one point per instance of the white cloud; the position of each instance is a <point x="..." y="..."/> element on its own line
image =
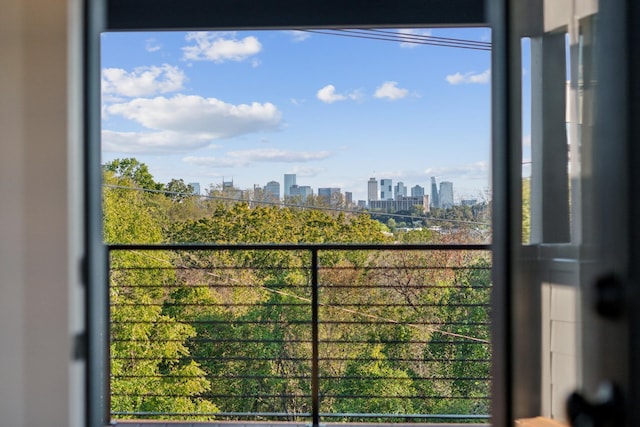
<point x="163" y="142"/>
<point x="412" y="34"/>
<point x="391" y="91"/>
<point x="469" y="78"/>
<point x="476" y="170"/>
<point x="307" y="171"/>
<point x="215" y="162"/>
<point x="142" y="81"/>
<point x="328" y="95"/>
<point x="220" y="47"/>
<point x="275" y="155"/>
<point x="196" y="115"/>
<point x="247" y="157"/>
<point x="299" y="36"/>
<point x="152" y="45"/>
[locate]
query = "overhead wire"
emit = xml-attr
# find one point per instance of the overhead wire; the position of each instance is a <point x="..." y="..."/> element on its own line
<point x="398" y="37"/>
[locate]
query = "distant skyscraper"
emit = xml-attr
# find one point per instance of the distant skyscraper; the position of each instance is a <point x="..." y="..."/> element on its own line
<point x="348" y="198"/>
<point x="329" y="195"/>
<point x="417" y="191"/>
<point x="446" y="194"/>
<point x="435" y="197"/>
<point x="226" y="185"/>
<point x="400" y="190"/>
<point x="272" y="190"/>
<point x="196" y="187"/>
<point x="386" y="189"/>
<point x="372" y="189"/>
<point x="302" y="192"/>
<point x="289" y="180"/>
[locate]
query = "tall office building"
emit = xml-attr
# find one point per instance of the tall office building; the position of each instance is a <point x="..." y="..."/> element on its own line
<point x="400" y="190"/>
<point x="417" y="191"/>
<point x="446" y="194"/>
<point x="289" y="180"/>
<point x="329" y="195"/>
<point x="372" y="189"/>
<point x="348" y="198"/>
<point x="435" y="199"/>
<point x="386" y="189"/>
<point x="272" y="190"/>
<point x="300" y="192"/>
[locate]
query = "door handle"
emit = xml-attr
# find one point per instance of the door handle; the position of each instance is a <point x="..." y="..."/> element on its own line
<point x="606" y="411"/>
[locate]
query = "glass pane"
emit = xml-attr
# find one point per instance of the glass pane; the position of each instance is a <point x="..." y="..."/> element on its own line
<point x="368" y="136"/>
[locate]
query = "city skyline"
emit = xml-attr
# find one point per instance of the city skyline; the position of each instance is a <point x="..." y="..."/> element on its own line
<point x="444" y="196"/>
<point x="332" y="110"/>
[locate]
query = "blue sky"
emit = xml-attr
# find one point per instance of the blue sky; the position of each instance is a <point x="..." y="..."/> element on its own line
<point x="252" y="106"/>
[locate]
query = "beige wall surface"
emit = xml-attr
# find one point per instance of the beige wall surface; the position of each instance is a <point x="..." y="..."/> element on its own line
<point x="40" y="385"/>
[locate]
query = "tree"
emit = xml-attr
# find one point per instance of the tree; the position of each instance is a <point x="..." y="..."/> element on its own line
<point x="150" y="366"/>
<point x="526" y="210"/>
<point x="132" y="170"/>
<point x="373" y="386"/>
<point x="177" y="190"/>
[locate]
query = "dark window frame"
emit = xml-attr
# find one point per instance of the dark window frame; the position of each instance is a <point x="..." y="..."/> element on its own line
<point x="171" y="15"/>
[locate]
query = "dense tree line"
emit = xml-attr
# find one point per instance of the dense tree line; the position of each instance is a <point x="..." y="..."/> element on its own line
<point x="203" y="332"/>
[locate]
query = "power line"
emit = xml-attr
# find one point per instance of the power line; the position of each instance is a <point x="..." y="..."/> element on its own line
<point x="291" y="205"/>
<point x="406" y="38"/>
<point x="430" y="37"/>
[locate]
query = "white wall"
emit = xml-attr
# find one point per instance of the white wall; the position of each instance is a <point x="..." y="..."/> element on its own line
<point x="40" y="227"/>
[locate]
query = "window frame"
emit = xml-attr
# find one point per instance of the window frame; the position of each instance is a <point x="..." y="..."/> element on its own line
<point x="169" y="15"/>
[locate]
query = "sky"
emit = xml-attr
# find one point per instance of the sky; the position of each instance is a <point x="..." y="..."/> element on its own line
<point x="251" y="106"/>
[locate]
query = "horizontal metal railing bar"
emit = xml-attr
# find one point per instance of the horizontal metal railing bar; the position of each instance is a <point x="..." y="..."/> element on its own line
<point x="305" y="415"/>
<point x="419" y="286"/>
<point x="305" y="359"/>
<point x="417" y="378"/>
<point x="307" y="396"/>
<point x="294" y="341"/>
<point x="216" y="322"/>
<point x="240" y="304"/>
<point x="221" y="377"/>
<point x="358" y="305"/>
<point x="209" y="285"/>
<point x="288" y="304"/>
<point x="215" y="414"/>
<point x="303" y="377"/>
<point x="296" y="247"/>
<point x="300" y="341"/>
<point x="397" y="322"/>
<point x="301" y="268"/>
<point x="299" y="322"/>
<point x="253" y="286"/>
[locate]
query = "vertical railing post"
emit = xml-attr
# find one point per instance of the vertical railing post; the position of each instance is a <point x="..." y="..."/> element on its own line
<point x="315" y="369"/>
<point x="106" y="371"/>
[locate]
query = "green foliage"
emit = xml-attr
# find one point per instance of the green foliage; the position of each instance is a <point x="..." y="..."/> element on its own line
<point x="385" y="389"/>
<point x="526" y="210"/>
<point x="131" y="171"/>
<point x="177" y="190"/>
<point x="150" y="366"/>
<point x="238" y="223"/>
<point x="211" y="331"/>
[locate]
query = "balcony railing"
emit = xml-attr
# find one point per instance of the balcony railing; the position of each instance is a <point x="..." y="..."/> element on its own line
<point x="375" y="333"/>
